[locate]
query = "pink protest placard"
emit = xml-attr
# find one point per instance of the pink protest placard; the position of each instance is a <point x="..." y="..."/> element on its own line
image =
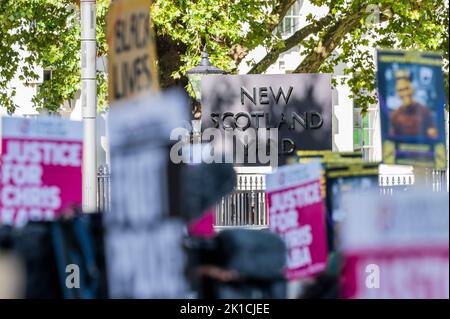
<point x="203" y="226"/>
<point x="396" y="247"/>
<point x="40" y="168"/>
<point x="396" y="274"/>
<point x="297" y="214"/>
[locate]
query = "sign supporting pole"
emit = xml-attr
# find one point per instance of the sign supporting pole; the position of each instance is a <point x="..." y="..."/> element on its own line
<point x="447" y="152"/>
<point x="89" y="103"/>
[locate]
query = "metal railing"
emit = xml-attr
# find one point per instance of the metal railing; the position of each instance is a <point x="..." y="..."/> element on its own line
<point x="392" y="183"/>
<point x="103" y="188"/>
<point x="246" y="205"/>
<point x="437" y="179"/>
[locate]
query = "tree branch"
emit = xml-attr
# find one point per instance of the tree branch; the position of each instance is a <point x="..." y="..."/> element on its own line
<point x="289" y="43"/>
<point x="312" y="62"/>
<point x="239" y="52"/>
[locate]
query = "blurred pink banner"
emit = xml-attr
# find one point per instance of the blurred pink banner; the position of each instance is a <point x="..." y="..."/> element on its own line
<point x="203" y="226"/>
<point x="415" y="273"/>
<point x="40" y="169"/>
<point x="396" y="247"/>
<point x="297" y="214"/>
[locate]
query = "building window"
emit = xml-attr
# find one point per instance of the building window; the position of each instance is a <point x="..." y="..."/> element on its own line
<point x="281" y="65"/>
<point x="363" y="132"/>
<point x="47" y="75"/>
<point x="291" y="21"/>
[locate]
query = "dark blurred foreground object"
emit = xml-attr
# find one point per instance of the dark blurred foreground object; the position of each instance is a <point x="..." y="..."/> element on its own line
<point x="47" y="248"/>
<point x="239" y="264"/>
<point x="12" y="272"/>
<point x="33" y="245"/>
<point x="79" y="242"/>
<point x="199" y="187"/>
<point x="325" y="286"/>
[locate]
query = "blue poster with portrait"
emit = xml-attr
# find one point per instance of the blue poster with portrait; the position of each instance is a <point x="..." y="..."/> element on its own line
<point x="412" y="105"/>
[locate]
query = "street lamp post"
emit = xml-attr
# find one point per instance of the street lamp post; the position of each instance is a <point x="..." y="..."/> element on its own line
<point x="89" y="103"/>
<point x="195" y="76"/>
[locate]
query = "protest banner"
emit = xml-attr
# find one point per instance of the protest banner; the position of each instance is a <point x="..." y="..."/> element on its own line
<point x="412" y="100"/>
<point x="327" y="156"/>
<point x="343" y="177"/>
<point x="297" y="214"/>
<point x="40" y="168"/>
<point x="395" y="246"/>
<point x="132" y="67"/>
<point x="143" y="238"/>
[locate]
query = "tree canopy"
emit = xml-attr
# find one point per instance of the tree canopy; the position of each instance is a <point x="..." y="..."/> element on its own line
<point x="49" y="31"/>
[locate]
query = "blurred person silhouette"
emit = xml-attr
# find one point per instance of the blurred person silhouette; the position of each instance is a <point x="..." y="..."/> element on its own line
<point x="327" y="284"/>
<point x="411" y="118"/>
<point x="12" y="277"/>
<point x="12" y="270"/>
<point x="237" y="264"/>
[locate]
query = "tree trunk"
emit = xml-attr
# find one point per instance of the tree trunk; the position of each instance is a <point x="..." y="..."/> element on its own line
<point x="169" y="61"/>
<point x="312" y="62"/>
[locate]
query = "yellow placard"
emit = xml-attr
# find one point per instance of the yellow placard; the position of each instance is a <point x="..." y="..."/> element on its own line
<point x="132" y="67"/>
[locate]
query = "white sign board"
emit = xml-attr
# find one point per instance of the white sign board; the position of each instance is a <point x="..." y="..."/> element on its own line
<point x="143" y="245"/>
<point x="396" y="246"/>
